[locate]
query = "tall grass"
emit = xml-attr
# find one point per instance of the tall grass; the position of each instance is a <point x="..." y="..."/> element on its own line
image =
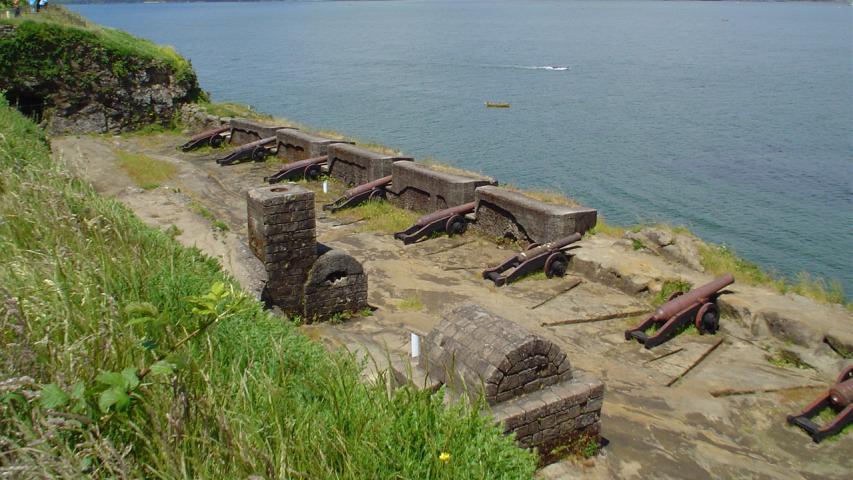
<point x="88" y="289"/>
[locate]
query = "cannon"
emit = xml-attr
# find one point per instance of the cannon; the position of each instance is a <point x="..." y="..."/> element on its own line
<point x="551" y="257"/>
<point x="698" y="306"/>
<point x="308" y="169"/>
<point x="839" y="399"/>
<point x="367" y="191"/>
<point x="214" y="138"/>
<point x="450" y="220"/>
<point x="257" y="151"/>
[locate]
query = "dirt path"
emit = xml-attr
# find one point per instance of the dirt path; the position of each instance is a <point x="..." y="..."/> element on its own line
<point x="654" y="431"/>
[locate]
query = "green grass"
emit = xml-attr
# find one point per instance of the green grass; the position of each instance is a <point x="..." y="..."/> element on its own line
<point x="379" y="216"/>
<point x="146" y="172"/>
<point x="62" y="29"/>
<point x="669" y="287"/>
<point x="786" y="359"/>
<point x="411" y="304"/>
<point x="89" y="291"/>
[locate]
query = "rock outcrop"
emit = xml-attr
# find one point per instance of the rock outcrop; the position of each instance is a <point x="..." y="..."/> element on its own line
<point x="79" y="80"/>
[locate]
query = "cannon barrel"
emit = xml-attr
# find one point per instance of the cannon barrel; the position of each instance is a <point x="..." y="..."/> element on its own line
<point x="304" y="163"/>
<point x="696" y="295"/>
<point x="366" y="187"/>
<point x="209" y="133"/>
<point x="447" y="212"/>
<point x="257" y="143"/>
<point x="548" y="247"/>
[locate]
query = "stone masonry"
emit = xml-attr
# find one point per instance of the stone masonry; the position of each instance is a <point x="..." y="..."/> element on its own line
<point x="336" y="283"/>
<point x="295" y="145"/>
<point x="303" y="277"/>
<point x="355" y="165"/>
<point x="504" y="213"/>
<point x="282" y="234"/>
<point x="422" y="188"/>
<point x="527" y="380"/>
<point x="245" y="131"/>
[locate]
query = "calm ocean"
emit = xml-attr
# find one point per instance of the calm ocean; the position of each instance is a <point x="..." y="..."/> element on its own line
<point x="734" y="119"/>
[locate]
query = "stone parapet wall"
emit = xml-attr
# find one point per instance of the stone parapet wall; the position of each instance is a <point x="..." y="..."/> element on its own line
<point x="245" y="131"/>
<point x="419" y="187"/>
<point x="354" y="165"/>
<point x="556" y="417"/>
<point x="295" y="145"/>
<point x="503" y="213"/>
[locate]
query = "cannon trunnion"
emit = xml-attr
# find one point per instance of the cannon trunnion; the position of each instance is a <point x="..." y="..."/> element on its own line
<point x="698" y="306"/>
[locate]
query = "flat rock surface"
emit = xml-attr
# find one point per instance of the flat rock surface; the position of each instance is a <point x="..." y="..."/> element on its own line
<point x="654" y="431"/>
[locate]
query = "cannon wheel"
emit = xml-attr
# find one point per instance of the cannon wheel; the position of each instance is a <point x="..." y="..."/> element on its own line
<point x="216" y="141"/>
<point x="556" y="265"/>
<point x="311" y="172"/>
<point x="376" y="194"/>
<point x="259" y="154"/>
<point x="455" y="225"/>
<point x="708" y="319"/>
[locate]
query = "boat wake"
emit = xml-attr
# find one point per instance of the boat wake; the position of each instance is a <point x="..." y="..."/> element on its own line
<point x="546" y="67"/>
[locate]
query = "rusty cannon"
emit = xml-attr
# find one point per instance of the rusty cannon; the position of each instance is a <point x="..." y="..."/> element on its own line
<point x="215" y="138"/>
<point x="698" y="306"/>
<point x="551" y="257"/>
<point x="450" y="220"/>
<point x="257" y="151"/>
<point x="308" y="169"/>
<point x="838" y="399"/>
<point x="367" y="191"/>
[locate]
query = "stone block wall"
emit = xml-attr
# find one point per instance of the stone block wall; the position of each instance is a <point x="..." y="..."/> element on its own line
<point x="555" y="417"/>
<point x="472" y="348"/>
<point x="246" y="131"/>
<point x="303" y="277"/>
<point x="421" y="188"/>
<point x="504" y="213"/>
<point x="282" y="234"/>
<point x="355" y="165"/>
<point x="527" y="380"/>
<point x="197" y="119"/>
<point x="336" y="283"/>
<point x="295" y="145"/>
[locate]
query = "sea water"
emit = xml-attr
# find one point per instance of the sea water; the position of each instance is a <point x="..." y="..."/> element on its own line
<point x="732" y="118"/>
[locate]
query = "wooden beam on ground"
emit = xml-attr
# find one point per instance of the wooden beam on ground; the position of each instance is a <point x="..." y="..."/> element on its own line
<point x="664" y="355"/>
<point x="599" y="318"/>
<point x="729" y="392"/>
<point x="574" y="283"/>
<point x="442" y="250"/>
<point x="697" y="362"/>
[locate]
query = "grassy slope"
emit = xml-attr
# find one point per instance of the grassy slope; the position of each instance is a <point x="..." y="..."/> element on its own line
<point x="88" y="289"/>
<point x="57" y="27"/>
